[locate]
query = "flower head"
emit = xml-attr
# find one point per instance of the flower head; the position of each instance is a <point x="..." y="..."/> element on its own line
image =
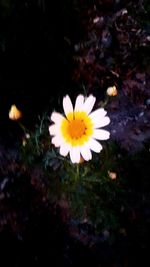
<point x="77" y="131"/>
<point x="14" y="113"/>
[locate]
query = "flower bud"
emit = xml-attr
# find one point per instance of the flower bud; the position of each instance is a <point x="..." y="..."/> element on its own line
<point x="14" y="113"/>
<point x="112" y="91"/>
<point x="112" y="175"/>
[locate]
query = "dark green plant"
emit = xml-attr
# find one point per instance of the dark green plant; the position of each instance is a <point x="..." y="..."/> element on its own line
<point x="91" y="194"/>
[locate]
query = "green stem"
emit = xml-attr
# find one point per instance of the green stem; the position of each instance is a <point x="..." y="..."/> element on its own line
<point x="22" y="127"/>
<point x="77" y="172"/>
<point x="105" y="102"/>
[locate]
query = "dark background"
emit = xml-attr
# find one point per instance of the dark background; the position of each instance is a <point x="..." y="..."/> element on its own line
<point x="35" y="59"/>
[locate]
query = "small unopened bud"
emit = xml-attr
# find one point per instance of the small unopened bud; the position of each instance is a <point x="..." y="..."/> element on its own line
<point x="112" y="91"/>
<point x="24" y="142"/>
<point x="112" y="175"/>
<point x="14" y="113"/>
<point x="25" y="138"/>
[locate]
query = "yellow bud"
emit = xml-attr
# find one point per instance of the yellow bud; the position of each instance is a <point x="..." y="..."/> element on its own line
<point x="112" y="91"/>
<point x="14" y="113"/>
<point x="112" y="175"/>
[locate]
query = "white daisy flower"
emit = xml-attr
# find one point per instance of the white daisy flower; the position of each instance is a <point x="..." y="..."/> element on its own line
<point x="77" y="132"/>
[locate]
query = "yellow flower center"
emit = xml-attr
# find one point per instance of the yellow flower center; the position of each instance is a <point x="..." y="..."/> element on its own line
<point x="77" y="128"/>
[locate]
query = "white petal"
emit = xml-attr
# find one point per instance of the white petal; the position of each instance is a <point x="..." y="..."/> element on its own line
<point x="75" y="154"/>
<point x="101" y="122"/>
<point x="86" y="153"/>
<point x="54" y="129"/>
<point x="64" y="149"/>
<point x="98" y="113"/>
<point x="101" y="134"/>
<point x="89" y="103"/>
<point x="57" y="117"/>
<point x="94" y="145"/>
<point x="57" y="141"/>
<point x="67" y="105"/>
<point x="79" y="103"/>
